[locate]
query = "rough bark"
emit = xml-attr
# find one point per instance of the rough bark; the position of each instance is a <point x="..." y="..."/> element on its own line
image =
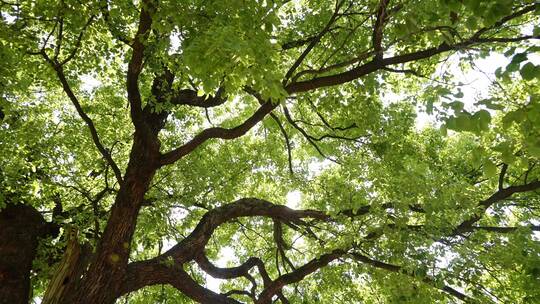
<point x="20" y="228"/>
<point x="104" y="276"/>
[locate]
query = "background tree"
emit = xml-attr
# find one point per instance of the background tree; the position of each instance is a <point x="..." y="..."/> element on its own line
<point x="169" y="132"/>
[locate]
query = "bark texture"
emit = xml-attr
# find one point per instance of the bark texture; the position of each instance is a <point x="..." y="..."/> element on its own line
<point x="20" y="228"/>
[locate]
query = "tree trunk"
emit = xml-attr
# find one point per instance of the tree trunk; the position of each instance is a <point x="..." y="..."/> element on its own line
<point x="104" y="277"/>
<point x="20" y="228"/>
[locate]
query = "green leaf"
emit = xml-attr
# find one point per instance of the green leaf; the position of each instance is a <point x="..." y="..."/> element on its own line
<point x="490" y="169"/>
<point x="451" y="123"/>
<point x="490" y="104"/>
<point x="464" y="123"/>
<point x="512" y="67"/>
<point x="510" y="52"/>
<point x="477" y="156"/>
<point x="519" y="57"/>
<point x="530" y="71"/>
<point x="473" y="5"/>
<point x="457" y="106"/>
<point x="534" y="150"/>
<point x="498" y="72"/>
<point x="483" y="119"/>
<point x="472" y="22"/>
<point x="444" y="130"/>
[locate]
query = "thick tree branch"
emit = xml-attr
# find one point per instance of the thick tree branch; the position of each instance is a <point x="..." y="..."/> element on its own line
<point x="235" y="272"/>
<point x="136" y="62"/>
<point x="195" y="242"/>
<point x="141" y="274"/>
<point x="161" y="87"/>
<point x="378" y="29"/>
<point x="226" y="273"/>
<point x="302" y="86"/>
<point x="505" y="19"/>
<point x="193" y="245"/>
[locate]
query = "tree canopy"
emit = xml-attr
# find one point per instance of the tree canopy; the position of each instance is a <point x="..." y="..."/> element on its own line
<point x="151" y="147"/>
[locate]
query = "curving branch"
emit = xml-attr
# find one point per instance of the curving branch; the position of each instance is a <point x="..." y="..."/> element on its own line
<point x="297" y="275"/>
<point x="58" y="68"/>
<point x="294" y="87"/>
<point x="149" y="272"/>
<point x="218" y="132"/>
<point x="311" y="140"/>
<point x="235" y="272"/>
<point x="325" y="121"/>
<point x="141" y="274"/>
<point x="189" y="247"/>
<point x="167" y="268"/>
<point x="505" y="19"/>
<point x="281" y="245"/>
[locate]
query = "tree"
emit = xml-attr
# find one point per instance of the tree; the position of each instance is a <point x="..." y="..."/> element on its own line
<point x="157" y="134"/>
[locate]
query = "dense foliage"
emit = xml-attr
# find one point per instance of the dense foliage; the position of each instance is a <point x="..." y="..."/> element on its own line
<point x="273" y="145"/>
